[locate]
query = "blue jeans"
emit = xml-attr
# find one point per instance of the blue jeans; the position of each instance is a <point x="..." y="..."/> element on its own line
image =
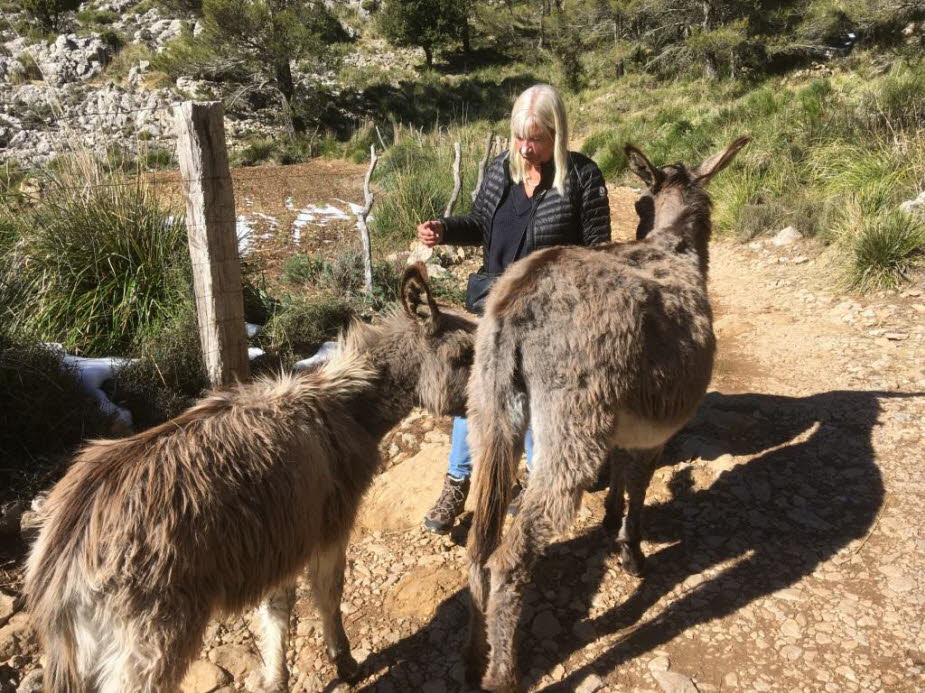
<point x="461" y="460"/>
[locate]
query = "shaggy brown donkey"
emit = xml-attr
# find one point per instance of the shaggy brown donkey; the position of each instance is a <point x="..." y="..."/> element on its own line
<point x="148" y="537"/>
<point x="600" y="348"/>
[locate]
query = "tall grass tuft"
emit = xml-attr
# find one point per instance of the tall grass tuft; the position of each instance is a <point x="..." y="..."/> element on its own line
<point x="884" y="250"/>
<point x="98" y="261"/>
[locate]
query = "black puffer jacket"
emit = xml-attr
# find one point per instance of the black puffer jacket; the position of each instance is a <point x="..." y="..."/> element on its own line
<point x="580" y="217"/>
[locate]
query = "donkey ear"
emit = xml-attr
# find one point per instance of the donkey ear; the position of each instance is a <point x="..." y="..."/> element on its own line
<point x="640" y="165"/>
<point x="416" y="297"/>
<point x="716" y="163"/>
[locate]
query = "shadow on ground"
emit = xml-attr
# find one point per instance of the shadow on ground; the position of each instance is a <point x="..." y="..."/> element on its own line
<point x="794" y="505"/>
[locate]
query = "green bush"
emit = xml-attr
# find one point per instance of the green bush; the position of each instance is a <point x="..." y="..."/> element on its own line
<point x="884" y="249"/>
<point x="48" y="12"/>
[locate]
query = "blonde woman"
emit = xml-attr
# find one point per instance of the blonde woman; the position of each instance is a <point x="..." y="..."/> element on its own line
<point x="535" y="195"/>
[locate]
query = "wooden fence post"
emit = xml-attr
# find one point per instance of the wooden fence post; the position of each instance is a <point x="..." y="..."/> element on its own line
<point x="213" y="241"/>
<point x="361" y="223"/>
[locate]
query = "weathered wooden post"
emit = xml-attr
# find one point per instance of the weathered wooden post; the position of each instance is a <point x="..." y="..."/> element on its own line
<point x="361" y="223"/>
<point x="213" y="241"/>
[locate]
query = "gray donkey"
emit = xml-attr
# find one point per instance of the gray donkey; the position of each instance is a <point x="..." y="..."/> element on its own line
<point x="600" y="348"/>
<point x="147" y="537"/>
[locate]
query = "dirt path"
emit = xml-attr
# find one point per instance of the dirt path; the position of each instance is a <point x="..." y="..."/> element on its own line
<point x="783" y="529"/>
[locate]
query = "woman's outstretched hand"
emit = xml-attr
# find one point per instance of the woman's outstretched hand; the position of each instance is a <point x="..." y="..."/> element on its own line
<point x="430" y="233"/>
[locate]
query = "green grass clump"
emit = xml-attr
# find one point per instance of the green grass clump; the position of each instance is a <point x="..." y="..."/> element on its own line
<point x="303" y="323"/>
<point x="168" y="376"/>
<point x="416" y="174"/>
<point x="884" y="249"/>
<point x="99" y="261"/>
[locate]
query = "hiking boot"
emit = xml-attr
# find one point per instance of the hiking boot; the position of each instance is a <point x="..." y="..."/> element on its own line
<point x="449" y="505"/>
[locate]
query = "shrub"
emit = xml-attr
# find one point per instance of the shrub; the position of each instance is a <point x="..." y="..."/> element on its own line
<point x="48" y="12"/>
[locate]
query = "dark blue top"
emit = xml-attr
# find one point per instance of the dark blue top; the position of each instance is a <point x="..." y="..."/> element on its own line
<point x="509" y="224"/>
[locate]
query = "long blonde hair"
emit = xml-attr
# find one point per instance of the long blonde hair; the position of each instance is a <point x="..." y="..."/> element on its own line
<point x="540" y="106"/>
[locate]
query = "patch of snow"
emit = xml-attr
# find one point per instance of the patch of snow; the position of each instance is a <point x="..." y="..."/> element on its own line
<point x="290" y="203"/>
<point x="91" y="373"/>
<point x="254" y="352"/>
<point x="325" y="352"/>
<point x="252" y="329"/>
<point x="244" y="230"/>
<point x="272" y="221"/>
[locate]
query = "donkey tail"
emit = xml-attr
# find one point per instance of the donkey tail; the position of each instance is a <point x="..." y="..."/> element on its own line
<point x="50" y="601"/>
<point x="497" y="414"/>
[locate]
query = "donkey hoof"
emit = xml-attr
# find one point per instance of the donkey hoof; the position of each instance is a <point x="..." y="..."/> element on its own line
<point x="347" y="667"/>
<point x="500" y="684"/>
<point x="633" y="562"/>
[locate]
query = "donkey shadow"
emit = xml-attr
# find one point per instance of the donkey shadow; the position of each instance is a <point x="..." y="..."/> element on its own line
<point x="791" y="507"/>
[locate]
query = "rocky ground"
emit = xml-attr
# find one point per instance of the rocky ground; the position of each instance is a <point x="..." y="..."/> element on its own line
<point x="64" y="94"/>
<point x="782" y="529"/>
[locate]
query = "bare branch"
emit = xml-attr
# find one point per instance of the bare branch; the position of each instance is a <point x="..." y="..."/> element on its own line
<point x="457" y="180"/>
<point x="489" y="141"/>
<point x="364" y="229"/>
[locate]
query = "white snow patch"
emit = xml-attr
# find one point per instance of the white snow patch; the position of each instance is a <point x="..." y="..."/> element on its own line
<point x="252" y="329"/>
<point x="254" y="352"/>
<point x="272" y="221"/>
<point x="91" y="373"/>
<point x="357" y="210"/>
<point x="290" y="203"/>
<point x="244" y="231"/>
<point x="325" y="352"/>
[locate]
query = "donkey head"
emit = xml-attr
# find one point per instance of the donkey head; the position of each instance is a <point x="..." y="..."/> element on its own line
<point x="441" y="345"/>
<point x="676" y="198"/>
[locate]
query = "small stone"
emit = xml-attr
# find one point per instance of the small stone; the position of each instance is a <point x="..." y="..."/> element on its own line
<point x="589" y="684"/>
<point x="896" y="336"/>
<point x="787" y="236"/>
<point x="7" y="607"/>
<point x="730" y="680"/>
<point x="674" y="682"/>
<point x="203" y="677"/>
<point x="659" y="664"/>
<point x="799" y="260"/>
<point x="238" y="660"/>
<point x="791" y="652"/>
<point x="790" y="628"/>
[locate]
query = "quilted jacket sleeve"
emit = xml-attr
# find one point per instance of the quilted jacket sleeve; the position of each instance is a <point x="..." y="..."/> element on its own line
<point x="595" y="207"/>
<point x="473" y="228"/>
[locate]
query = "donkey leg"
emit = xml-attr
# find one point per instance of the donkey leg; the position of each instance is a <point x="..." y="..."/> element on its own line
<point x="274" y="612"/>
<point x="638" y="475"/>
<point x="547" y="509"/>
<point x="327" y="576"/>
<point x="476" y="652"/>
<point x="615" y="504"/>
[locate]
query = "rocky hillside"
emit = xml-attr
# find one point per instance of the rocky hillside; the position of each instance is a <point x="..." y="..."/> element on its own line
<point x="94" y="84"/>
